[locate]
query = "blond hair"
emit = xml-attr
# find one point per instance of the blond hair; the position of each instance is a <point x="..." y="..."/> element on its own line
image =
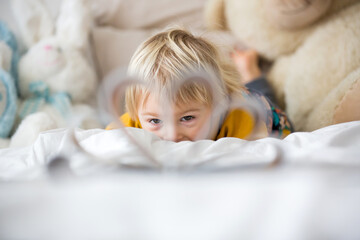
<point x="176" y="54"/>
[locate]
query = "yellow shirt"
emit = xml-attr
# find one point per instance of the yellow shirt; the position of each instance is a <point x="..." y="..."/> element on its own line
<point x="237" y="123"/>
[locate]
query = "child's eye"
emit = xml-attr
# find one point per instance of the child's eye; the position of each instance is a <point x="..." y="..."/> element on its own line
<point x="187" y="118"/>
<point x="155" y="121"/>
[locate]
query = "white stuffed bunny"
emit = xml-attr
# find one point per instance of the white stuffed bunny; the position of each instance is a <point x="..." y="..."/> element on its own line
<point x="55" y="78"/>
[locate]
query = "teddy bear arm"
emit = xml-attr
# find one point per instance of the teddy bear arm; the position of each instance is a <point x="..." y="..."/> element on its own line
<point x="348" y="108"/>
<point x="277" y="79"/>
<point x="340" y="105"/>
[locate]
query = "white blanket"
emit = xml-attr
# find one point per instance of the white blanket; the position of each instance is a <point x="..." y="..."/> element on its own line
<point x="337" y="144"/>
<point x="226" y="189"/>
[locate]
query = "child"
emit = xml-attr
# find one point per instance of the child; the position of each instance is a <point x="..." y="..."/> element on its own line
<point x="176" y="110"/>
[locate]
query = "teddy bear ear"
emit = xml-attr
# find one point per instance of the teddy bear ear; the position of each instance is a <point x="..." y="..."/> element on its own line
<point x="34" y="20"/>
<point x="295" y="14"/>
<point x="73" y="24"/>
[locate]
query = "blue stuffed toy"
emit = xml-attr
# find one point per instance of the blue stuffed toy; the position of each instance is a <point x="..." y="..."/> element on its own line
<point x="9" y="57"/>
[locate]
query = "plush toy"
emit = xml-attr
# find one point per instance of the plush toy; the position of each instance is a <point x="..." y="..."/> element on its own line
<point x="315" y="49"/>
<point x="55" y="78"/>
<point x="8" y="69"/>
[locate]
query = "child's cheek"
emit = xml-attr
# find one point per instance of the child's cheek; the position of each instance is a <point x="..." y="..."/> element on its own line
<point x="149" y="126"/>
<point x="190" y="124"/>
<point x="197" y="131"/>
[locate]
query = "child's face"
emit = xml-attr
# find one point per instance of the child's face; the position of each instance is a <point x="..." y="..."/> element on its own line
<point x="186" y="122"/>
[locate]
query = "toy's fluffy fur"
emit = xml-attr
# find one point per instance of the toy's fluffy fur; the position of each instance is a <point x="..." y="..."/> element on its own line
<point x="57" y="59"/>
<point x="315" y="67"/>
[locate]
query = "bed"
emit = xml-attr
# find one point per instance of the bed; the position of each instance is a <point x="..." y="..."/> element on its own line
<point x="303" y="187"/>
<point x="97" y="184"/>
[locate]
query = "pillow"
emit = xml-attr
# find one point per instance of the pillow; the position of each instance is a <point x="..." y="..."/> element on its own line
<point x="113" y="48"/>
<point x="145" y="14"/>
<point x="122" y="25"/>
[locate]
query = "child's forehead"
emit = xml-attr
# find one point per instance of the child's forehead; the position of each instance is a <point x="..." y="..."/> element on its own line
<point x="154" y="103"/>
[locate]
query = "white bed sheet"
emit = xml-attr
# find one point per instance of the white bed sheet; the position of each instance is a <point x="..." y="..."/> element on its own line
<point x="203" y="190"/>
<point x="337" y="144"/>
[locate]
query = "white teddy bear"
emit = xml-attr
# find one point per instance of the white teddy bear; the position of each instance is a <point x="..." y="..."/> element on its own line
<point x="315" y="48"/>
<point x="56" y="79"/>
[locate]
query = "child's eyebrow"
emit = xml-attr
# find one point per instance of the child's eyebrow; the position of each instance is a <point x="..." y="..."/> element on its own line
<point x="180" y="113"/>
<point x="190" y="110"/>
<point x="150" y="114"/>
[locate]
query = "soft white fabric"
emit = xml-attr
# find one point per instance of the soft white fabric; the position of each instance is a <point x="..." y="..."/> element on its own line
<point x="336" y="144"/>
<point x="234" y="194"/>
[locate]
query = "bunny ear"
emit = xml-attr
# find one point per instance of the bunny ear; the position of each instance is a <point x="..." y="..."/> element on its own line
<point x="73" y="24"/>
<point x="34" y="20"/>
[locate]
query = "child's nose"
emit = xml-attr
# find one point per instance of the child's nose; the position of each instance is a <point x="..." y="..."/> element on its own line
<point x="173" y="138"/>
<point x="174" y="135"/>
